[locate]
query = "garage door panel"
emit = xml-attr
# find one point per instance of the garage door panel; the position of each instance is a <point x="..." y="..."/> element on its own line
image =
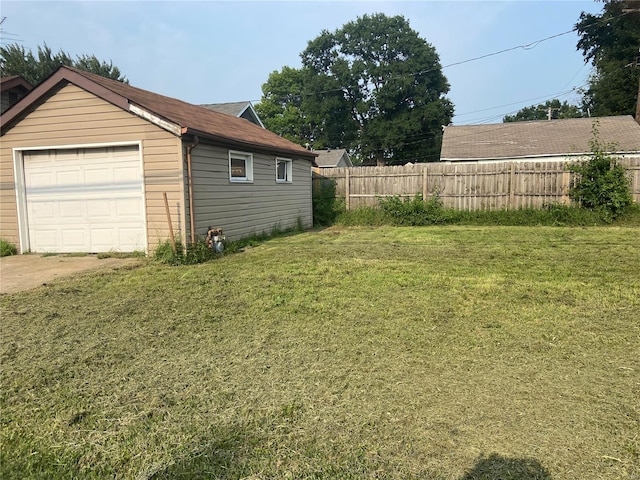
<point x="41" y="180"/>
<point x="97" y="176"/>
<point x="73" y="239"/>
<point x="69" y="210"/>
<point x="48" y="238"/>
<point x="126" y="208"/>
<point x="122" y="176"/>
<point x="102" y="237"/>
<point x="42" y="212"/>
<point x="92" y="197"/>
<point x="97" y="209"/>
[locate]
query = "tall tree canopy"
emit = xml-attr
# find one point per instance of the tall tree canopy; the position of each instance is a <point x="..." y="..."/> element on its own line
<point x="15" y="60"/>
<point x="281" y="106"/>
<point x="611" y="42"/>
<point x="553" y="108"/>
<point x="373" y="86"/>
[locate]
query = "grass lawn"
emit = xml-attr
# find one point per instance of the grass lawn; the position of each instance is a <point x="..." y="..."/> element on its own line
<point x="429" y="353"/>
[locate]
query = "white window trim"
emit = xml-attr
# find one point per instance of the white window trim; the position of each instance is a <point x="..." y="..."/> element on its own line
<point x="248" y="158"/>
<point x="289" y="178"/>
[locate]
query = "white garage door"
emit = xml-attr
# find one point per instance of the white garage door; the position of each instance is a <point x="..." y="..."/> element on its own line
<point x="85" y="200"/>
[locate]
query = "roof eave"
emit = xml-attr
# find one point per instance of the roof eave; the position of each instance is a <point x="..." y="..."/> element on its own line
<point x="16" y="81"/>
<point x="532" y="157"/>
<point x="46" y="87"/>
<point x="254" y="147"/>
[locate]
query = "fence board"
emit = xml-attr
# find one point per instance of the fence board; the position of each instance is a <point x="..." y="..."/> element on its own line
<point x="464" y="186"/>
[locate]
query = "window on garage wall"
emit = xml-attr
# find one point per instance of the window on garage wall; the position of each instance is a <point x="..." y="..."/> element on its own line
<point x="240" y="167"/>
<point x="284" y="170"/>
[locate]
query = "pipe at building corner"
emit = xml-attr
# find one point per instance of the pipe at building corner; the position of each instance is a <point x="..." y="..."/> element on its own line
<point x="192" y="216"/>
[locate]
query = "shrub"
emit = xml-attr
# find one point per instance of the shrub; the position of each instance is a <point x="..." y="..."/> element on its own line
<point x="7" y="248"/>
<point x="326" y="207"/>
<point x="560" y="214"/>
<point x="415" y="211"/>
<point x="553" y="214"/>
<point x="192" y="254"/>
<point x="164" y="253"/>
<point x="600" y="182"/>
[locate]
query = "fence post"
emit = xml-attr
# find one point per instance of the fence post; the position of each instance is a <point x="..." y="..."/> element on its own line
<point x="424" y="183"/>
<point x="566" y="186"/>
<point x="347" y="193"/>
<point x="512" y="186"/>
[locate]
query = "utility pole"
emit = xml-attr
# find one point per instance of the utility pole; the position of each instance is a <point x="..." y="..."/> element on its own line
<point x="550" y="112"/>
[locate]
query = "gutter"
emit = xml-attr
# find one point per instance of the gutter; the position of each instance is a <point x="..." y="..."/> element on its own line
<point x="255" y="147"/>
<point x="192" y="215"/>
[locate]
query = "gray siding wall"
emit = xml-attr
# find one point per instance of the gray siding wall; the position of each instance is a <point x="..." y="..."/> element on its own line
<point x="244" y="209"/>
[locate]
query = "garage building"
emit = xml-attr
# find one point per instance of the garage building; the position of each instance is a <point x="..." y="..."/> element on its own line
<point x="85" y="164"/>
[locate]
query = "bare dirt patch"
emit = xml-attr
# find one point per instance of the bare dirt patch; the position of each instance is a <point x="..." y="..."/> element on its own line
<point x="24" y="272"/>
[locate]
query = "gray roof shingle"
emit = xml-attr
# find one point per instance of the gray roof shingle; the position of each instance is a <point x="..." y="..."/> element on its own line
<point x="231" y="108"/>
<point x="538" y="138"/>
<point x="329" y="158"/>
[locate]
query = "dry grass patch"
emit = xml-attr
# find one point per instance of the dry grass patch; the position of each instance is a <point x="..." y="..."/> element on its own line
<point x="445" y="353"/>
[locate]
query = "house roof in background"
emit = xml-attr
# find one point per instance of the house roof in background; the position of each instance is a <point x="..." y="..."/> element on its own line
<point x="7" y="83"/>
<point x="538" y="138"/>
<point x="174" y="115"/>
<point x="232" y="108"/>
<point x="236" y="109"/>
<point x="330" y="158"/>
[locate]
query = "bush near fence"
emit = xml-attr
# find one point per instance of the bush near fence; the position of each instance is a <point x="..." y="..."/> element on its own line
<point x="463" y="186"/>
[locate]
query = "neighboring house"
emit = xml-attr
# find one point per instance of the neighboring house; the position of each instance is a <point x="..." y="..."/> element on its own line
<point x="544" y="140"/>
<point x="333" y="158"/>
<point x="237" y="109"/>
<point x="13" y="89"/>
<point x="86" y="162"/>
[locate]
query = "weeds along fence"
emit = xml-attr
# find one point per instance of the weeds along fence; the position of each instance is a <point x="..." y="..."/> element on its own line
<point x="463" y="186"/>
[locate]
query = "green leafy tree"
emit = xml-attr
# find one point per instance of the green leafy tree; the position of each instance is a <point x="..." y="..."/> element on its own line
<point x="15" y="60"/>
<point x="610" y="41"/>
<point x="600" y="182"/>
<point x="541" y="112"/>
<point x="373" y="87"/>
<point x="280" y="108"/>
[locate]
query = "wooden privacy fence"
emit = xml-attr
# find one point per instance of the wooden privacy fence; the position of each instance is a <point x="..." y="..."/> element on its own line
<point x="463" y="186"/>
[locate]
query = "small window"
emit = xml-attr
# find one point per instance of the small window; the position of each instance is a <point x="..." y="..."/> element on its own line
<point x="284" y="170"/>
<point x="240" y="167"/>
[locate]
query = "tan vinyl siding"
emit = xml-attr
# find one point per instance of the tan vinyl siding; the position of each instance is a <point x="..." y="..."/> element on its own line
<point x="73" y="116"/>
<point x="243" y="209"/>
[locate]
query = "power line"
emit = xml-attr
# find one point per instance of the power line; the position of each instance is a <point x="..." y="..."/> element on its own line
<point x="527" y="46"/>
<point x="546" y="97"/>
<point x="553" y="95"/>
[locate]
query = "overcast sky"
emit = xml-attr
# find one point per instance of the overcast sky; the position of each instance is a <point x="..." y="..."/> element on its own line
<point x="223" y="51"/>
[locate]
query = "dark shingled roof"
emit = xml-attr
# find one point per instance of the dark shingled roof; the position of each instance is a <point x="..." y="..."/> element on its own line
<point x="329" y="158"/>
<point x="231" y="108"/>
<point x="191" y="119"/>
<point x="539" y="138"/>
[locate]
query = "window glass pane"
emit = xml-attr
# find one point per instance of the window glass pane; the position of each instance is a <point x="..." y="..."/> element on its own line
<point x="282" y="170"/>
<point x="238" y="168"/>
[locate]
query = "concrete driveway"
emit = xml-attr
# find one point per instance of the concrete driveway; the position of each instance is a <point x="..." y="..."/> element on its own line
<point x="24" y="272"/>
